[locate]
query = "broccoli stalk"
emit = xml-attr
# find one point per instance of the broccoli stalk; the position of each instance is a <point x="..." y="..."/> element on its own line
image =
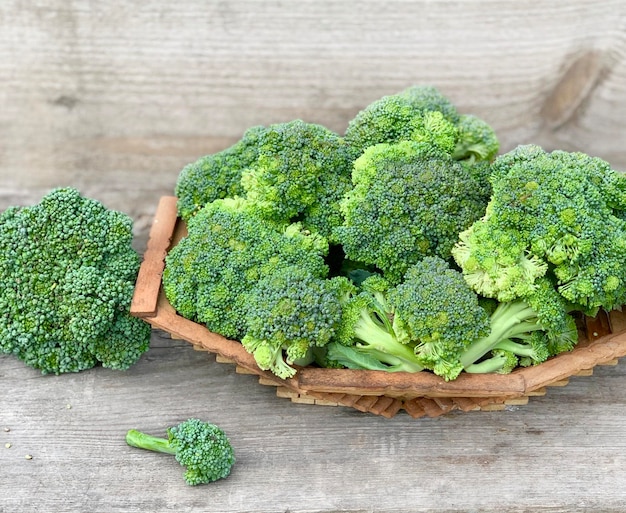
<point x="200" y="446"/>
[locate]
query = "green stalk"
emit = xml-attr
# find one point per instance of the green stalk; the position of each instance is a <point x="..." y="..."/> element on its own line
<point x="507" y="321"/>
<point x="140" y="440"/>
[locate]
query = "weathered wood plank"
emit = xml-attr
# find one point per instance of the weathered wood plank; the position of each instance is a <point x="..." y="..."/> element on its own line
<point x="115" y="97"/>
<point x="562" y="452"/>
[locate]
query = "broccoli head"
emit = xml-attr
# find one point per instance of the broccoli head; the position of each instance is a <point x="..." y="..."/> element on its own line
<point x="404" y="117"/>
<point x="68" y="275"/>
<point x="292" y="158"/>
<point x="477" y="140"/>
<point x="229" y="247"/>
<point x="203" y="448"/>
<point x="290" y="312"/>
<point x="217" y="175"/>
<point x="409" y="200"/>
<point x="557" y="214"/>
<point x="436" y="308"/>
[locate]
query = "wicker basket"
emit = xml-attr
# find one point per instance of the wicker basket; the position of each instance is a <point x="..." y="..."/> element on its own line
<point x="602" y="340"/>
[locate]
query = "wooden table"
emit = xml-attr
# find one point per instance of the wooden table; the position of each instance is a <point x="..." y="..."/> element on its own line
<point x="563" y="452"/>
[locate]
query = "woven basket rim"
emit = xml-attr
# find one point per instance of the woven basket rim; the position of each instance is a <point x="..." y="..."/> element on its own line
<point x="605" y="343"/>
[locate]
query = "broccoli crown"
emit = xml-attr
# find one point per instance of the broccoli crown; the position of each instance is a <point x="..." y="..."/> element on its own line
<point x="204" y="449"/>
<point x="400" y="117"/>
<point x="563" y="213"/>
<point x="217" y="175"/>
<point x="229" y="247"/>
<point x="290" y="310"/>
<point x="409" y="200"/>
<point x="68" y="275"/>
<point x="477" y="140"/>
<point x="437" y="309"/>
<point x="292" y="157"/>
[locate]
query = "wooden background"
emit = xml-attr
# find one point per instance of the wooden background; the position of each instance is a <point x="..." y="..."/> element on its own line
<point x="114" y="97"/>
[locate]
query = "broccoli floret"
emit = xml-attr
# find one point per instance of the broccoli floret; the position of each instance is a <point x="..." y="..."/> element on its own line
<point x="477" y="140"/>
<point x="290" y="311"/>
<point x="400" y="117"/>
<point x="203" y="448"/>
<point x="409" y="201"/>
<point x="68" y="275"/>
<point x="557" y="214"/>
<point x="217" y="175"/>
<point x="285" y="179"/>
<point x="229" y="247"/>
<point x="366" y="338"/>
<point x="435" y="307"/>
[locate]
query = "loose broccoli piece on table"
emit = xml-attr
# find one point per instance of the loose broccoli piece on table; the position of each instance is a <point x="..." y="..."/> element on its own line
<point x="409" y="200"/>
<point x="203" y="448"/>
<point x="557" y="214"/>
<point x="217" y="175"/>
<point x="68" y="275"/>
<point x="286" y="178"/>
<point x="290" y="311"/>
<point x="229" y="247"/>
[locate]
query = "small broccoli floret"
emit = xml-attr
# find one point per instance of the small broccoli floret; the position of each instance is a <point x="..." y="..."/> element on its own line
<point x="292" y="157"/>
<point x="435" y="307"/>
<point x="477" y="141"/>
<point x="203" y="448"/>
<point x="68" y="274"/>
<point x="556" y="214"/>
<point x="401" y="117"/>
<point x="365" y="338"/>
<point x="293" y="311"/>
<point x="229" y="247"/>
<point x="217" y="175"/>
<point x="409" y="201"/>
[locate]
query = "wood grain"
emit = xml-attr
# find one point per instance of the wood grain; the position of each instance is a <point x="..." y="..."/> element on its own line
<point x="116" y="97"/>
<point x="564" y="452"/>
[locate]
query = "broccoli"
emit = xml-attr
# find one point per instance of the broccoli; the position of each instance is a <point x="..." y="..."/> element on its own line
<point x="434" y="321"/>
<point x="286" y="178"/>
<point x="365" y="338"/>
<point x="229" y="247"/>
<point x="422" y="114"/>
<point x="293" y="311"/>
<point x="203" y="448"/>
<point x="403" y="117"/>
<point x="68" y="275"/>
<point x="555" y="214"/>
<point x="409" y="200"/>
<point x="217" y="175"/>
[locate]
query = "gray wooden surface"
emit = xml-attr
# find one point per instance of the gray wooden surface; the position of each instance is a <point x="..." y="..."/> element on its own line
<point x="115" y="97"/>
<point x="563" y="452"/>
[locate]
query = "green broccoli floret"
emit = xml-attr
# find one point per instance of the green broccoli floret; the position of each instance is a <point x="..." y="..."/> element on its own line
<point x="229" y="247"/>
<point x="477" y="140"/>
<point x="290" y="311"/>
<point x="435" y="308"/>
<point x="217" y="175"/>
<point x="409" y="200"/>
<point x="433" y="320"/>
<point x="366" y="338"/>
<point x="203" y="448"/>
<point x="557" y="214"/>
<point x="285" y="179"/>
<point x="401" y="117"/>
<point x="68" y="275"/>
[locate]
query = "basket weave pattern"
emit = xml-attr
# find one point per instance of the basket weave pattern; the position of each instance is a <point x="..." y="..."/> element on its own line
<point x="602" y="341"/>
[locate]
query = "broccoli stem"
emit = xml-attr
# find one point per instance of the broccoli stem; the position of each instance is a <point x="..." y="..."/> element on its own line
<point x="507" y="321"/>
<point x="384" y="346"/>
<point x="141" y="440"/>
<point x="516" y="348"/>
<point x="491" y="365"/>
